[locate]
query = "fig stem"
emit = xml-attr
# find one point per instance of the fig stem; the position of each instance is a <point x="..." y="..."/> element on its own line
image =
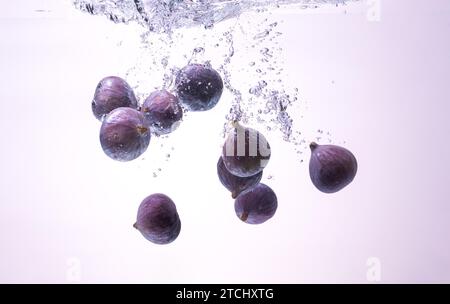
<point x="313" y="146"/>
<point x="234" y="194"/>
<point x="135" y="226"/>
<point x="235" y="124"/>
<point x="244" y="216"/>
<point x="142" y="130"/>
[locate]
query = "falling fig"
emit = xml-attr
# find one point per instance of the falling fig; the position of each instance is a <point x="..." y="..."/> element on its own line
<point x="158" y="220"/>
<point x="199" y="87"/>
<point x="236" y="184"/>
<point x="331" y="167"/>
<point x="246" y="151"/>
<point x="163" y="112"/>
<point x="112" y="92"/>
<point x="256" y="205"/>
<point x="124" y="134"/>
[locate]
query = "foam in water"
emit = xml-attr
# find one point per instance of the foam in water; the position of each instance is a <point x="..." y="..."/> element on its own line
<point x="166" y="15"/>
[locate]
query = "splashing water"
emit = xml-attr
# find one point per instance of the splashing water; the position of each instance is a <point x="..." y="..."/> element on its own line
<point x="165" y="15"/>
<point x="261" y="98"/>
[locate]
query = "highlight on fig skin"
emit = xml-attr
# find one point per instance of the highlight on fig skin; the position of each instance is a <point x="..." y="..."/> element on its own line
<point x="246" y="151"/>
<point x="158" y="220"/>
<point x="199" y="87"/>
<point x="124" y="134"/>
<point x="163" y="112"/>
<point x="236" y="184"/>
<point x="331" y="167"/>
<point x="112" y="92"/>
<point x="256" y="205"/>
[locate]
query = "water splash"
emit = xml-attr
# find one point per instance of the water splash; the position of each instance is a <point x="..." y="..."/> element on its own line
<point x="166" y="15"/>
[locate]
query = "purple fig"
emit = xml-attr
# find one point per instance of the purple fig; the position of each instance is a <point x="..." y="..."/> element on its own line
<point x="111" y="93"/>
<point x="234" y="183"/>
<point x="124" y="134"/>
<point x="162" y="111"/>
<point x="331" y="167"/>
<point x="245" y="152"/>
<point x="158" y="220"/>
<point x="256" y="205"/>
<point x="199" y="87"/>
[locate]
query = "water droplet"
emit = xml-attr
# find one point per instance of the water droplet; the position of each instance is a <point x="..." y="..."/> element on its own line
<point x="199" y="50"/>
<point x="164" y="61"/>
<point x="262" y="35"/>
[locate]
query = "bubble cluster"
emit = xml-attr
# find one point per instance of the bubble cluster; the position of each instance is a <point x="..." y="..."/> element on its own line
<point x="167" y="15"/>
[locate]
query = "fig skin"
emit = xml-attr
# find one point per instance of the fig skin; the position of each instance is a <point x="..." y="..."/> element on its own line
<point x="158" y="220"/>
<point x="199" y="87"/>
<point x="163" y="112"/>
<point x="124" y="134"/>
<point x="245" y="152"/>
<point x="256" y="205"/>
<point x="233" y="183"/>
<point x="112" y="92"/>
<point x="331" y="167"/>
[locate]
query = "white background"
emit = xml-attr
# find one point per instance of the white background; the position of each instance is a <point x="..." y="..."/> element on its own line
<point x="66" y="210"/>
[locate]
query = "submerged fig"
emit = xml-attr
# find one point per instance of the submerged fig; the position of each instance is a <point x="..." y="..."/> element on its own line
<point x="158" y="220"/>
<point x="124" y="134"/>
<point x="246" y="151"/>
<point x="236" y="184"/>
<point x="162" y="111"/>
<point x="199" y="87"/>
<point x="256" y="205"/>
<point x="331" y="167"/>
<point x="111" y="93"/>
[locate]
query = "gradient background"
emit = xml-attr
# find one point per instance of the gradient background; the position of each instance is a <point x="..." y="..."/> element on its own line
<point x="66" y="210"/>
